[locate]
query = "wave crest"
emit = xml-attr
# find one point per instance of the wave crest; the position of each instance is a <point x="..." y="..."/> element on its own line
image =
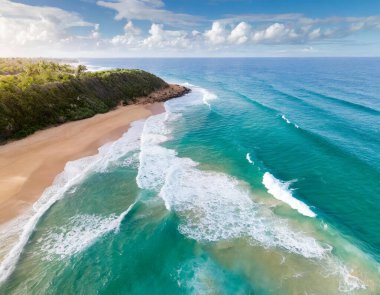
<point x="80" y="232"/>
<point x="280" y="190"/>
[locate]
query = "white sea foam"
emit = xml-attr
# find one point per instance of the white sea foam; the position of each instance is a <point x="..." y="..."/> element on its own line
<point x="280" y="190"/>
<point x="10" y="231"/>
<point x="287" y="121"/>
<point x="207" y="97"/>
<point x="80" y="232"/>
<point x="348" y="282"/>
<point x="248" y="157"/>
<point x="132" y="161"/>
<point x="199" y="95"/>
<point x="154" y="159"/>
<point x="212" y="206"/>
<point x="74" y="173"/>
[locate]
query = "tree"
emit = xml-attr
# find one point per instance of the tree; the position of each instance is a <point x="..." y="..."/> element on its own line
<point x="80" y="69"/>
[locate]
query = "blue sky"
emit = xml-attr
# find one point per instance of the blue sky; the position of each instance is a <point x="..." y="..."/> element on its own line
<point x="129" y="28"/>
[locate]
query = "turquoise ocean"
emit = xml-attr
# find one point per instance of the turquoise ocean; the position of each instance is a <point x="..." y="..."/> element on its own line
<point x="265" y="179"/>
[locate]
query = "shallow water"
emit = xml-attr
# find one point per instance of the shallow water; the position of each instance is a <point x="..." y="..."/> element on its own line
<point x="264" y="180"/>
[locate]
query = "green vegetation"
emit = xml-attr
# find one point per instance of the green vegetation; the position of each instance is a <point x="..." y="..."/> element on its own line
<point x="35" y="94"/>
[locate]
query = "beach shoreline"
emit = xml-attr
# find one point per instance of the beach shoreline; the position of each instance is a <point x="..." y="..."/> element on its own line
<point x="30" y="165"/>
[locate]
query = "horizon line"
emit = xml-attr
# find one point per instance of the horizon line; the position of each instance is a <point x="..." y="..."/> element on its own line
<point x="187" y="57"/>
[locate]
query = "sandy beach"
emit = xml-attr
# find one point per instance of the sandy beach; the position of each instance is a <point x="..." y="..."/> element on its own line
<point x="28" y="166"/>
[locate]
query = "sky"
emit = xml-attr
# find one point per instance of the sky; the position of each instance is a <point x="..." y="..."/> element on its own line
<point x="189" y="28"/>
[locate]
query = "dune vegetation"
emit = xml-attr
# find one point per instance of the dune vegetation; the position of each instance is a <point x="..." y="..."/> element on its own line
<point x="35" y="94"/>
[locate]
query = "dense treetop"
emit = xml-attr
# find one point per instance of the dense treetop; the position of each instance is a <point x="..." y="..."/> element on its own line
<point x="35" y="94"/>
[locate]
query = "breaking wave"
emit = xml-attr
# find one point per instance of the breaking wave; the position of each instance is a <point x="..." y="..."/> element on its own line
<point x="280" y="190"/>
<point x="80" y="232"/>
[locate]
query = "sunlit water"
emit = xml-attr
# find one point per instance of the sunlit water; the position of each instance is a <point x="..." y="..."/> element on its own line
<point x="263" y="180"/>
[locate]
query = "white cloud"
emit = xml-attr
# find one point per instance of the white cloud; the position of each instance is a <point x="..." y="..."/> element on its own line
<point x="315" y="34"/>
<point x="195" y="33"/>
<point x="130" y="36"/>
<point x="217" y="34"/>
<point x="275" y="33"/>
<point x="224" y="36"/>
<point x="240" y="34"/>
<point x="32" y="27"/>
<point x="296" y="28"/>
<point x="308" y="49"/>
<point x="95" y="34"/>
<point x="150" y="10"/>
<point x="129" y="28"/>
<point x="36" y="30"/>
<point x="160" y="38"/>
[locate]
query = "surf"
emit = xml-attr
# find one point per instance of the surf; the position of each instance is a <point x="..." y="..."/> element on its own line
<point x="175" y="179"/>
<point x="74" y="173"/>
<point x="280" y="190"/>
<point x="79" y="233"/>
<point x="215" y="207"/>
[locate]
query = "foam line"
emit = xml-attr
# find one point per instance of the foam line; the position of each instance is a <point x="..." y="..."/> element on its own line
<point x="79" y="233"/>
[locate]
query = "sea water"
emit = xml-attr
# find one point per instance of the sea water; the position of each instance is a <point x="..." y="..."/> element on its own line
<point x="263" y="180"/>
